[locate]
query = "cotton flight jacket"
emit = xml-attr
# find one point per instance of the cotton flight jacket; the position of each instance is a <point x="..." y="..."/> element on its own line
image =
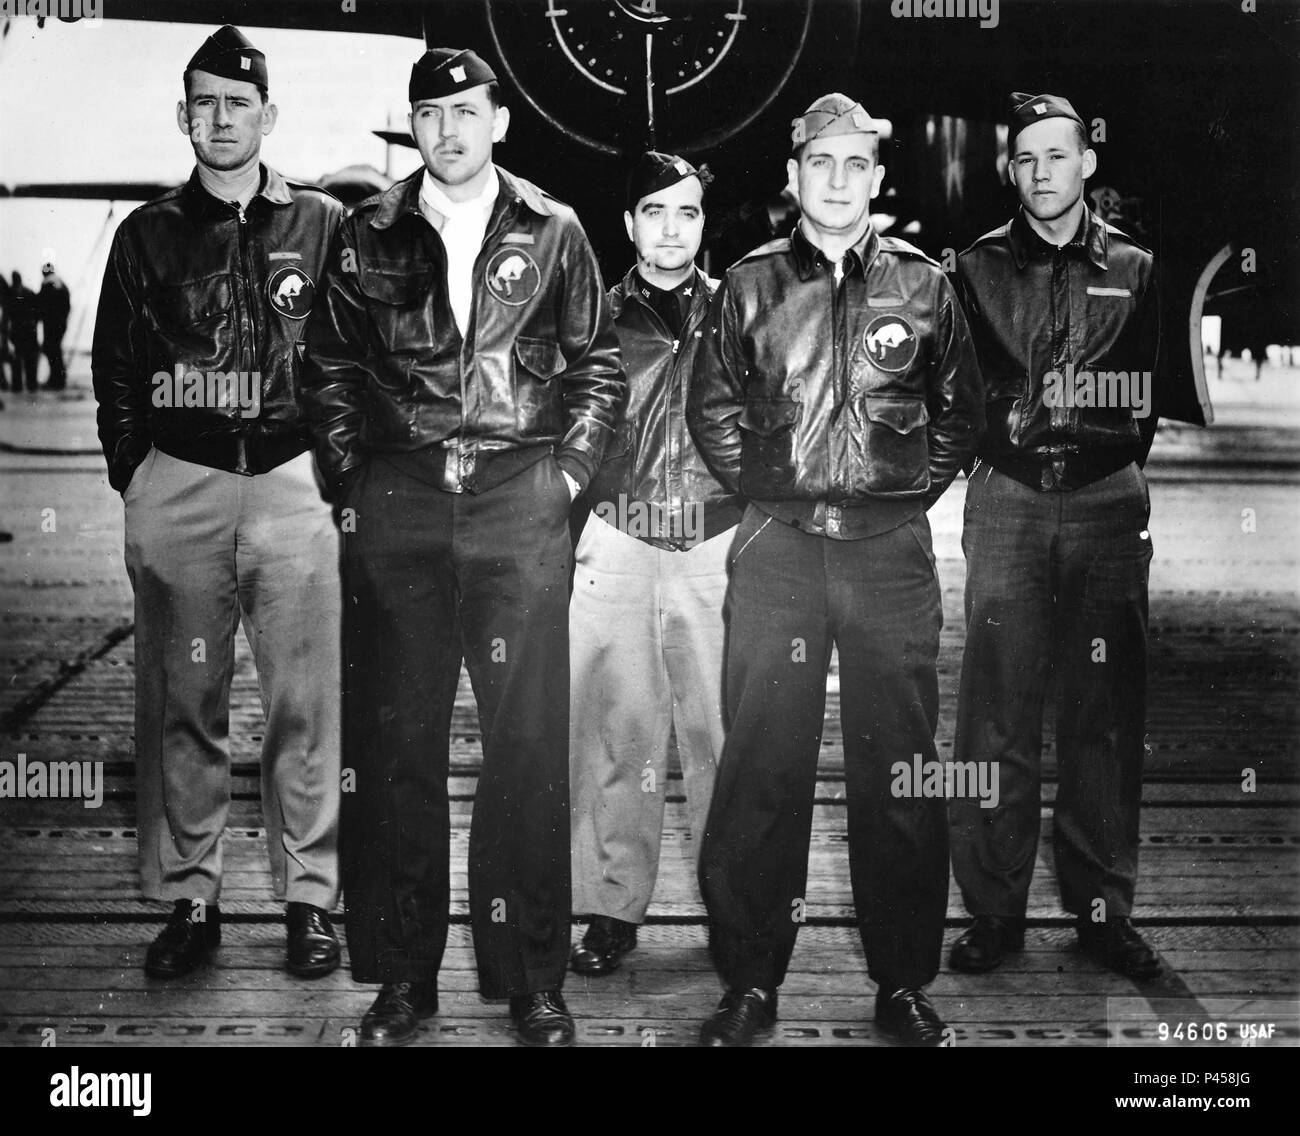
<point x="1090" y="307"/>
<point x="652" y="458"/>
<point x="844" y="409"/>
<point x="196" y="286"/>
<point x="387" y="370"/>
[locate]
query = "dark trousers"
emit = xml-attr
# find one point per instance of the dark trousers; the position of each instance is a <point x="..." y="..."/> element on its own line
<point x="27" y="354"/>
<point x="1054" y="579"/>
<point x="52" y="349"/>
<point x="428" y="575"/>
<point x="792" y="596"/>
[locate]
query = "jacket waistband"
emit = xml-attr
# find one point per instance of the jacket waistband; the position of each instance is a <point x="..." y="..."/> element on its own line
<point x="246" y="453"/>
<point x="456" y="471"/>
<point x="1062" y="473"/>
<point x="852" y="520"/>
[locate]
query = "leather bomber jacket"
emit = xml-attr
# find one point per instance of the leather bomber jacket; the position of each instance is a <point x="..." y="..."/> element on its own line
<point x="387" y="369"/>
<point x="652" y="457"/>
<point x="193" y="285"/>
<point x="863" y="394"/>
<point x="1091" y="305"/>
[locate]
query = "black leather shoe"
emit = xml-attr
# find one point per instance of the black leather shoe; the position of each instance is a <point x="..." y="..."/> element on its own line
<point x="313" y="946"/>
<point x="740" y="1016"/>
<point x="1118" y="947"/>
<point x="906" y="1014"/>
<point x="542" y="1018"/>
<point x="603" y="946"/>
<point x="394" y="1019"/>
<point x="984" y="944"/>
<point x="184" y="944"/>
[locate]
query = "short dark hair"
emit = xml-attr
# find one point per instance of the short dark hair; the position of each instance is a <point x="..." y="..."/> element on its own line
<point x="1081" y="133"/>
<point x="265" y="93"/>
<point x="875" y="148"/>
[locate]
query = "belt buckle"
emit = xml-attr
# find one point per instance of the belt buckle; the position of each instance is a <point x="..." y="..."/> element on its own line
<point x="451" y="470"/>
<point x="832" y="520"/>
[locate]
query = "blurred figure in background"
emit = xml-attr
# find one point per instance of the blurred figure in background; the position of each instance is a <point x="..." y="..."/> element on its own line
<point x="5" y="356"/>
<point x="22" y="313"/>
<point x="53" y="304"/>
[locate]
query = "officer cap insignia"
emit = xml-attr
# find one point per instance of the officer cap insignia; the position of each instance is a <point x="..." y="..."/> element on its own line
<point x="228" y="54"/>
<point x="1025" y="109"/>
<point x="442" y="71"/>
<point x="831" y="114"/>
<point x="655" y="171"/>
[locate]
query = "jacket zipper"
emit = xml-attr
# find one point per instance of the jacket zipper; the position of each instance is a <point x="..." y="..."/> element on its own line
<point x="669" y="417"/>
<point x="245" y="273"/>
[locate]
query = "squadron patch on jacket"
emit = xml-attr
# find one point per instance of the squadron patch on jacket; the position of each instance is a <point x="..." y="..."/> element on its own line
<point x="512" y="275"/>
<point x="890" y="342"/>
<point x="291" y="291"/>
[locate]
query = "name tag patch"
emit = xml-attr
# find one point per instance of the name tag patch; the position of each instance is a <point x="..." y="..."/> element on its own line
<point x="1093" y="291"/>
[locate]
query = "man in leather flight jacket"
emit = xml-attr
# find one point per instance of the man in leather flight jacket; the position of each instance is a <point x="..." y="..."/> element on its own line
<point x="195" y="362"/>
<point x="837" y="390"/>
<point x="645" y="622"/>
<point x="1064" y="313"/>
<point x="463" y="377"/>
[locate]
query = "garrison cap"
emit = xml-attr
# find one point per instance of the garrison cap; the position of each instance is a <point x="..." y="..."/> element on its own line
<point x="228" y="54"/>
<point x="655" y="171"/>
<point x="442" y="71"/>
<point x="1027" y="109"/>
<point x="831" y="114"/>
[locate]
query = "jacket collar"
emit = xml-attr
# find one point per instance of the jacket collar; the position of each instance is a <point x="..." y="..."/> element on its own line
<point x="807" y="255"/>
<point x="273" y="188"/>
<point x="1089" y="240"/>
<point x="629" y="289"/>
<point x="404" y="197"/>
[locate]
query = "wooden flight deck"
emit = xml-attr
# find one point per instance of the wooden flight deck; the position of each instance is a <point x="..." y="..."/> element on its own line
<point x="1219" y="887"/>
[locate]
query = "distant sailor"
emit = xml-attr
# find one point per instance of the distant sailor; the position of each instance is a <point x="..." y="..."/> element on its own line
<point x="224" y="515"/>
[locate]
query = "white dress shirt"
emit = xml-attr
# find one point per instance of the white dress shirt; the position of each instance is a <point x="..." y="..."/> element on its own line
<point x="462" y="226"/>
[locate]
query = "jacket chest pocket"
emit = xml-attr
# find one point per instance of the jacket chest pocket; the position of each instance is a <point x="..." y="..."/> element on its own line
<point x="886" y="447"/>
<point x="539" y="407"/>
<point x="180" y="307"/>
<point x="398" y="301"/>
<point x="195" y="319"/>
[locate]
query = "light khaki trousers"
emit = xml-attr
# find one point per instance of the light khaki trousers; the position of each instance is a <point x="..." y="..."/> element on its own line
<point x="206" y="549"/>
<point x="645" y="647"/>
